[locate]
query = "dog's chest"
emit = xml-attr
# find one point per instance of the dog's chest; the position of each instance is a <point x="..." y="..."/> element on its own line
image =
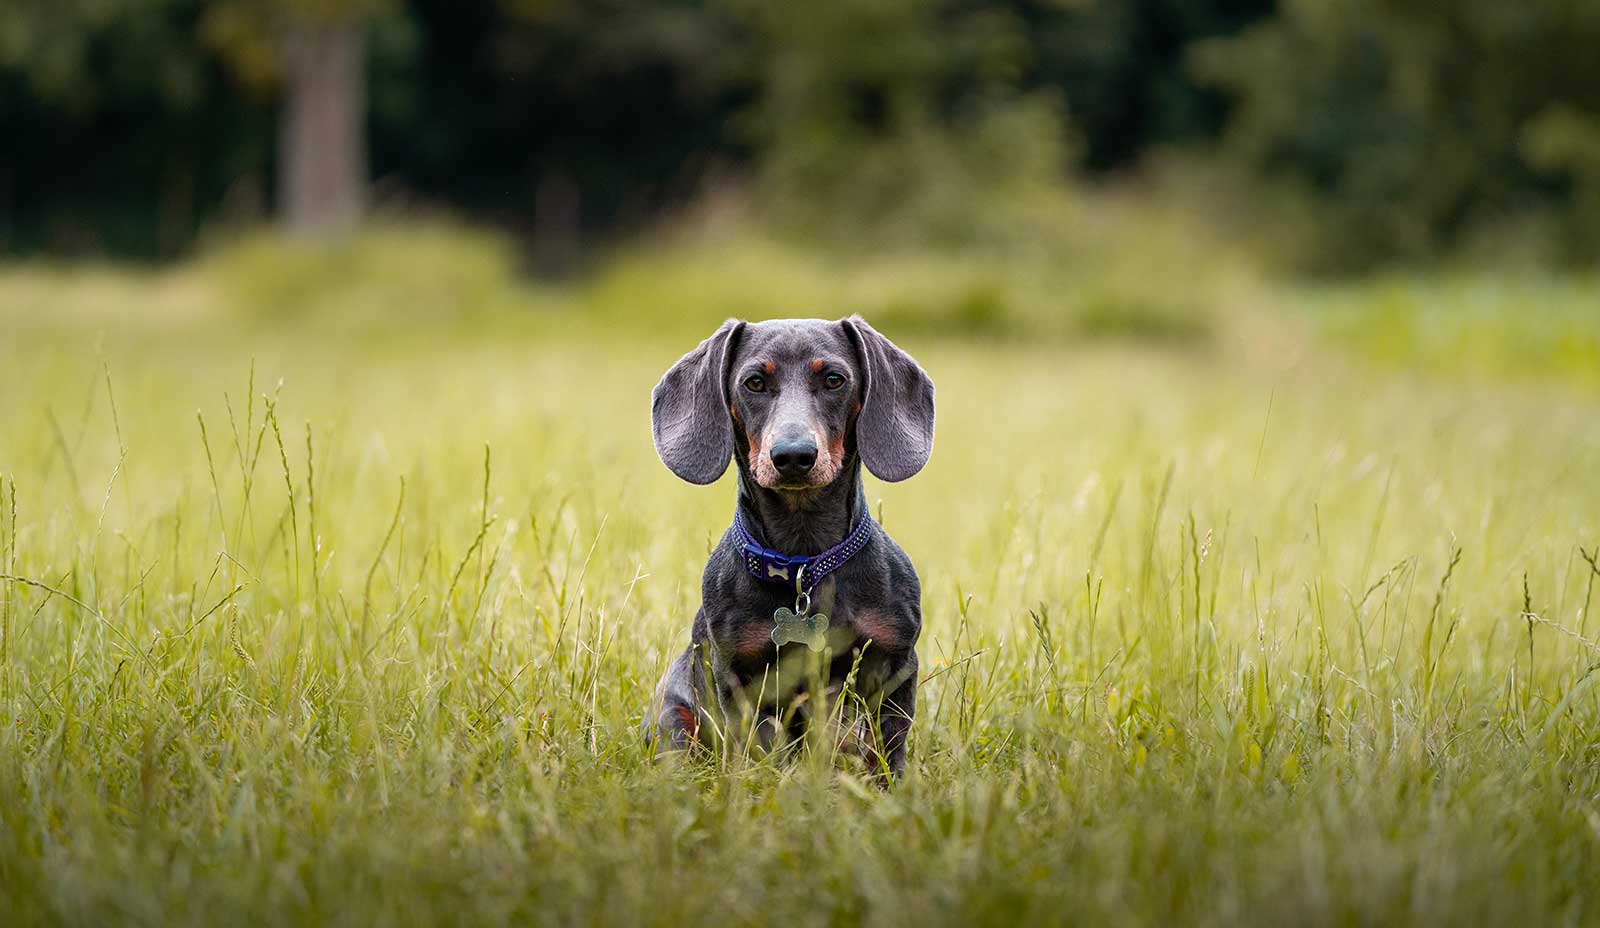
<point x="794" y="668"/>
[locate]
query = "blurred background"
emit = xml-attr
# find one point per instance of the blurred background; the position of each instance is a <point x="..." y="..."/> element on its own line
<point x="1419" y="175"/>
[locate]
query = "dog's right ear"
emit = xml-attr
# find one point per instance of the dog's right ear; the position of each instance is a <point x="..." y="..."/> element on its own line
<point x="689" y="414"/>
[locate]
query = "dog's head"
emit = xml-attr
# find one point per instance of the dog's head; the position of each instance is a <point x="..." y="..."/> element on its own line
<point x="797" y="397"/>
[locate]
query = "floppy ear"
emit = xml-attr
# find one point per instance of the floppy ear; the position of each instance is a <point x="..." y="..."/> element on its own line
<point x="689" y="409"/>
<point x="895" y="429"/>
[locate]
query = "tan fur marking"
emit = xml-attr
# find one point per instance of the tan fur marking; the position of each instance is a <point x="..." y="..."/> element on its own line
<point x="881" y="628"/>
<point x="769" y="368"/>
<point x="816" y="366"/>
<point x="766" y="472"/>
<point x="830" y="459"/>
<point x="754" y="639"/>
<point x="688" y="719"/>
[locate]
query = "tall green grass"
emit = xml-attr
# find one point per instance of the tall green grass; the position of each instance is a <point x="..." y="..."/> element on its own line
<point x="325" y="622"/>
<point x="1515" y="327"/>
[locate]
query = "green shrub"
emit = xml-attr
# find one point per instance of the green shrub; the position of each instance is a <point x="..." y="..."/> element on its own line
<point x="415" y="272"/>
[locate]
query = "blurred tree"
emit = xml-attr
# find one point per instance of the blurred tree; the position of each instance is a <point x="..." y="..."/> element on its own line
<point x="886" y="119"/>
<point x="584" y="114"/>
<point x="1406" y="119"/>
<point x="315" y="51"/>
<point x="1122" y="67"/>
<point x="1406" y="126"/>
<point x="131" y="122"/>
<point x="1564" y="141"/>
<point x="119" y="130"/>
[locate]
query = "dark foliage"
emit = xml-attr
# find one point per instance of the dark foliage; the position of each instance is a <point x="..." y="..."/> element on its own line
<point x="1407" y="127"/>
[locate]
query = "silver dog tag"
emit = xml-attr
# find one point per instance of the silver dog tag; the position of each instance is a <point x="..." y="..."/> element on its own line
<point x="810" y="630"/>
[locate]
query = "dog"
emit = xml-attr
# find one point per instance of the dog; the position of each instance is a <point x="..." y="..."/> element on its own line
<point x="810" y="612"/>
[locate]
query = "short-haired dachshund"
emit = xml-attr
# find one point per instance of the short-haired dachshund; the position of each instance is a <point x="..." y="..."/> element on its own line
<point x="809" y="612"/>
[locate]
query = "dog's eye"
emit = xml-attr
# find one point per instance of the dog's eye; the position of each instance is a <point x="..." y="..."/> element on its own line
<point x="755" y="384"/>
<point x="833" y="381"/>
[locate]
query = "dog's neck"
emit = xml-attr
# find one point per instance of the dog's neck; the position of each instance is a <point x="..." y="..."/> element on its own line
<point x="804" y="522"/>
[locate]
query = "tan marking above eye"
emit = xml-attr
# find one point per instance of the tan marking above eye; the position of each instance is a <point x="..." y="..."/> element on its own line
<point x="816" y="366"/>
<point x="769" y="368"/>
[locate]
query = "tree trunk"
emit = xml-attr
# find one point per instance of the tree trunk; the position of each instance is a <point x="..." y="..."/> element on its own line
<point x="557" y="211"/>
<point x="322" y="149"/>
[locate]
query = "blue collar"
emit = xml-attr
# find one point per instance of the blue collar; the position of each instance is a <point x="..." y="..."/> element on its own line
<point x="801" y="571"/>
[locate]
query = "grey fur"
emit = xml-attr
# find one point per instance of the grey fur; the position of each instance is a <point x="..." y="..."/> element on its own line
<point x="689" y="409"/>
<point x="730" y="682"/>
<point x="896" y="425"/>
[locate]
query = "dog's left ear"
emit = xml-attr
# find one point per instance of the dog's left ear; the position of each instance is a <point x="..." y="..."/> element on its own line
<point x="689" y="415"/>
<point x="895" y="429"/>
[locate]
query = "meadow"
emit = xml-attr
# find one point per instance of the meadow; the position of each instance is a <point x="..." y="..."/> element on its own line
<point x="335" y="588"/>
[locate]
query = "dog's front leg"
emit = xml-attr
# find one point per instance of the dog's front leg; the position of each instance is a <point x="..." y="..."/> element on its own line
<point x="722" y="689"/>
<point x="674" y="724"/>
<point x="896" y="712"/>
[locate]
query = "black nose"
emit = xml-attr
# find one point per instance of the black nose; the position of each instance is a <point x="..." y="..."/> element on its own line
<point x="794" y="457"/>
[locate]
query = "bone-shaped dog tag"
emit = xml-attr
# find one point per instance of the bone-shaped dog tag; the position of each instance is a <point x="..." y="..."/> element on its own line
<point x="810" y="630"/>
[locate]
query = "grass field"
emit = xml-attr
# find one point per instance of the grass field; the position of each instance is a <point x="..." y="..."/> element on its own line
<point x="350" y="615"/>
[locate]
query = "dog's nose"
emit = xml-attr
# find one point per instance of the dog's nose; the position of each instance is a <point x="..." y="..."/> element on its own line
<point x="794" y="457"/>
